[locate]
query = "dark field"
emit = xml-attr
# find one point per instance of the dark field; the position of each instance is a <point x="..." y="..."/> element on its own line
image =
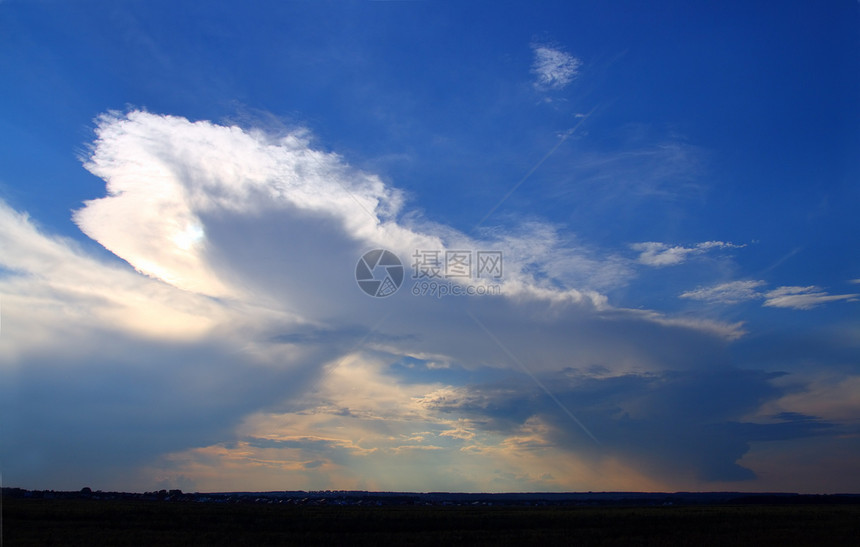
<point x="88" y="522"/>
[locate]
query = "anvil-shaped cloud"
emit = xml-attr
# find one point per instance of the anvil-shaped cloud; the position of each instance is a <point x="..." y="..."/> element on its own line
<point x="247" y="357"/>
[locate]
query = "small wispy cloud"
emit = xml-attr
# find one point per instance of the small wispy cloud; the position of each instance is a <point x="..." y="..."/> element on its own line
<point x="653" y="253"/>
<point x="799" y="298"/>
<point x="802" y="298"/>
<point x="554" y="68"/>
<point x="727" y="293"/>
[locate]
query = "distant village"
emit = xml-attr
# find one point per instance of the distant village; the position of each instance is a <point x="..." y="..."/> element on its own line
<point x="361" y="498"/>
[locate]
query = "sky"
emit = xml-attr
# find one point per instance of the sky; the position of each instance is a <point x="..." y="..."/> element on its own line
<point x="430" y="246"/>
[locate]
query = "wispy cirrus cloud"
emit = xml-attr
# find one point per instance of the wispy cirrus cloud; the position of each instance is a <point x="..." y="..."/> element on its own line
<point x="803" y="298"/>
<point x="727" y="293"/>
<point x="653" y="253"/>
<point x="799" y="298"/>
<point x="647" y="171"/>
<point x="553" y="68"/>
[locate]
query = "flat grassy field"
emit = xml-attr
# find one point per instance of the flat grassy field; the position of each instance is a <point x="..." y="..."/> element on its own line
<point x="88" y="522"/>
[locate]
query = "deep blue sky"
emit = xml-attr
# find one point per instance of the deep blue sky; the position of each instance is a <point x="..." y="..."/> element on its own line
<point x="674" y="185"/>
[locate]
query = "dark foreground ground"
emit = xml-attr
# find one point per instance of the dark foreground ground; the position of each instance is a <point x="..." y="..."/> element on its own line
<point x="124" y="522"/>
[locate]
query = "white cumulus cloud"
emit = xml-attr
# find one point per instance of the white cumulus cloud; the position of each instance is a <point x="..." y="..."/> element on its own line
<point x="240" y="306"/>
